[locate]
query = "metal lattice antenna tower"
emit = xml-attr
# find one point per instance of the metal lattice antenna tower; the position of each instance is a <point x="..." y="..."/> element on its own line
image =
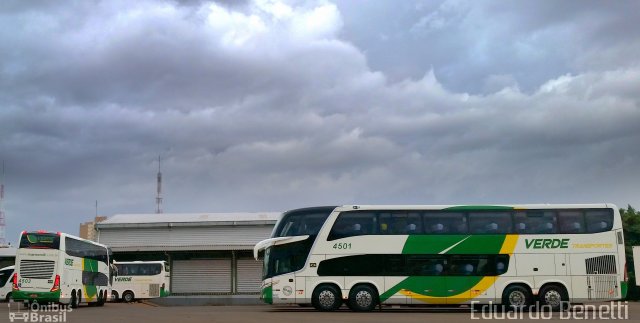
<point x="159" y="193"/>
<point x="3" y="235"/>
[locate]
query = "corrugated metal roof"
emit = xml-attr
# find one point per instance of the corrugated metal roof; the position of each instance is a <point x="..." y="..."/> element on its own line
<point x="190" y="217"/>
<point x="183" y="248"/>
<point x="212" y="237"/>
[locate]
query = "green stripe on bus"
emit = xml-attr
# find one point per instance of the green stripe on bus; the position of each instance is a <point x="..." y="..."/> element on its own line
<point x="90" y="265"/>
<point x="267" y="295"/>
<point x="435" y="244"/>
<point x="433" y="286"/>
<point x="479" y="208"/>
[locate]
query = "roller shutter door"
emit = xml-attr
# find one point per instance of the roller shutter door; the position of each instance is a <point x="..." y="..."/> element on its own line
<point x="201" y="276"/>
<point x="249" y="275"/>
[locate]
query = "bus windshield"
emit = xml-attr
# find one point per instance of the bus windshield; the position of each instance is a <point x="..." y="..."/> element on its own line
<point x="302" y="222"/>
<point x="4" y="276"/>
<point x="286" y="258"/>
<point x="40" y="241"/>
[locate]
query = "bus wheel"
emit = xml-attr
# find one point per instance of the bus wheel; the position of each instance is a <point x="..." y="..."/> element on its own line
<point x="326" y="298"/>
<point x="102" y="297"/>
<point x="516" y="296"/>
<point x="114" y="296"/>
<point x="8" y="298"/>
<point x="363" y="298"/>
<point x="74" y="300"/>
<point x="553" y="296"/>
<point x="127" y="296"/>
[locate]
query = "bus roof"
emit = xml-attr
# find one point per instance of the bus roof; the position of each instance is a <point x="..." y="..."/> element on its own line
<point x="62" y="234"/>
<point x="488" y="207"/>
<point x="140" y="262"/>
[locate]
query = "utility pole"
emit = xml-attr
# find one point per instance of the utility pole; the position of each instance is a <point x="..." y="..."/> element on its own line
<point x="3" y="225"/>
<point x="159" y="190"/>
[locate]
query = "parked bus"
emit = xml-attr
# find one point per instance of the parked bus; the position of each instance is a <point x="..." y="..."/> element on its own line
<point x="5" y="283"/>
<point x="513" y="255"/>
<point x="58" y="267"/>
<point x="141" y="280"/>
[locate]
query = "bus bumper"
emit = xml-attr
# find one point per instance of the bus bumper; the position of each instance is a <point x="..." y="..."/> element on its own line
<point x="267" y="294"/>
<point x="35" y="296"/>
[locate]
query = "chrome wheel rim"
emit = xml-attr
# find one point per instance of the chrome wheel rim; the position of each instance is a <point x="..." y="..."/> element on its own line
<point x="553" y="298"/>
<point x="326" y="299"/>
<point x="517" y="298"/>
<point x="364" y="299"/>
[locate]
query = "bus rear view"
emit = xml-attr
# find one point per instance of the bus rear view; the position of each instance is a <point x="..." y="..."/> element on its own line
<point x="36" y="276"/>
<point x="61" y="268"/>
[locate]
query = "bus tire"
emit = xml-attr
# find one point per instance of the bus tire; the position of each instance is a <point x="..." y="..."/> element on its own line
<point x="74" y="300"/>
<point x="363" y="298"/>
<point x="553" y="296"/>
<point x="128" y="296"/>
<point x="114" y="296"/>
<point x="8" y="298"/>
<point x="102" y="298"/>
<point x="326" y="298"/>
<point x="516" y="296"/>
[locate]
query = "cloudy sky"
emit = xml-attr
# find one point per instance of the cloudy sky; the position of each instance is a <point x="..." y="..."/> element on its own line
<point x="272" y="105"/>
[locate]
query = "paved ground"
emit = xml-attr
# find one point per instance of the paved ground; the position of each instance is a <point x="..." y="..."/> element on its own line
<point x="140" y="312"/>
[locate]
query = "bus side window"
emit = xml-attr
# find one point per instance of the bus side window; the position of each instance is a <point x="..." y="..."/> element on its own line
<point x="444" y="223"/>
<point x="571" y="222"/>
<point x="599" y="220"/>
<point x="411" y="221"/>
<point x="490" y="222"/>
<point x="534" y="221"/>
<point x="425" y="265"/>
<point x="501" y="265"/>
<point x="351" y="224"/>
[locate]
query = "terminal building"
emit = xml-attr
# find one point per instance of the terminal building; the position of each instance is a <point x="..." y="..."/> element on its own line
<point x="208" y="253"/>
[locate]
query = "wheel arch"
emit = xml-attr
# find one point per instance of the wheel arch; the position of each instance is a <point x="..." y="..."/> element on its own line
<point x="128" y="291"/>
<point x="514" y="283"/>
<point x="566" y="284"/>
<point x="355" y="283"/>
<point x="557" y="283"/>
<point x="339" y="285"/>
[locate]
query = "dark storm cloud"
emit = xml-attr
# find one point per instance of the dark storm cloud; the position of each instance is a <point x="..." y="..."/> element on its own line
<point x="271" y="105"/>
<point x="469" y="43"/>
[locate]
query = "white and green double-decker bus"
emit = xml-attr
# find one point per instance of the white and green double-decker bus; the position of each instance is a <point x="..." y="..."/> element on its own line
<point x="57" y="267"/>
<point x="514" y="255"/>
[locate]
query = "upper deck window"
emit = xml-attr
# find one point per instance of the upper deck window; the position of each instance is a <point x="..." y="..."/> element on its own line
<point x="490" y="222"/>
<point x="535" y="222"/>
<point x="298" y="223"/>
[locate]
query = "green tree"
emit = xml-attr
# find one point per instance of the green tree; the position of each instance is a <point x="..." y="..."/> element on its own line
<point x="631" y="228"/>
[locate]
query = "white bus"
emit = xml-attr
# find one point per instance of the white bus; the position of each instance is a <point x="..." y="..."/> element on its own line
<point x="5" y="283"/>
<point x="57" y="267"/>
<point x="513" y="255"/>
<point x="141" y="280"/>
